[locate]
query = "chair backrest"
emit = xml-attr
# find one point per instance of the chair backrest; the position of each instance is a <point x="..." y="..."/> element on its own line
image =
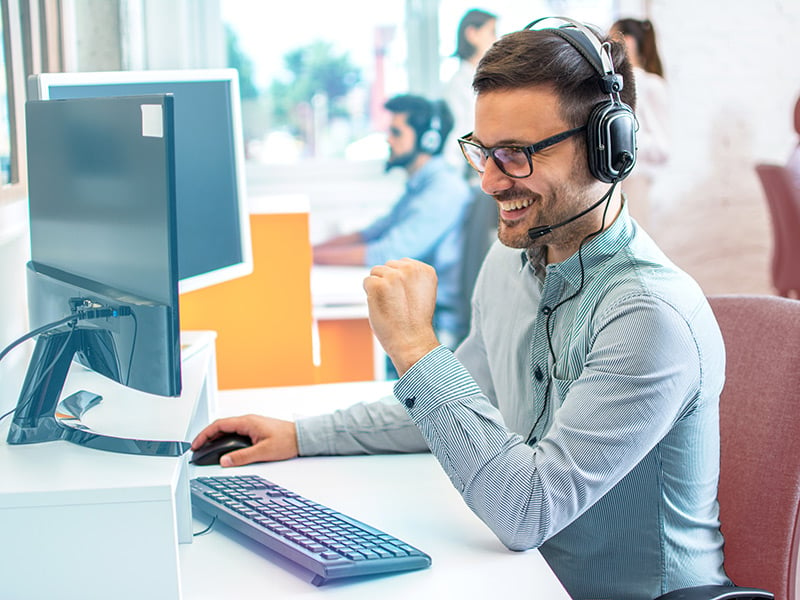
<point x="797" y="116"/>
<point x="784" y="206"/>
<point x="759" y="489"/>
<point x="480" y="230"/>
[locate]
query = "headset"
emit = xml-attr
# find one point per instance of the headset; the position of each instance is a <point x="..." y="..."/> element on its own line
<point x="430" y="140"/>
<point x="611" y="129"/>
<point x="610" y="143"/>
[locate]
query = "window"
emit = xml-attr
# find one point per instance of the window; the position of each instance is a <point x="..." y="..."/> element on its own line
<point x="12" y="96"/>
<point x="314" y="77"/>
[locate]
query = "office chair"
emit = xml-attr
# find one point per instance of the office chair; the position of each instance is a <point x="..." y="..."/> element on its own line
<point x="480" y="231"/>
<point x="784" y="207"/>
<point x="759" y="488"/>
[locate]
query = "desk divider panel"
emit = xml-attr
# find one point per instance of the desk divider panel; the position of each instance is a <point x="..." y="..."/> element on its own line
<point x="263" y="320"/>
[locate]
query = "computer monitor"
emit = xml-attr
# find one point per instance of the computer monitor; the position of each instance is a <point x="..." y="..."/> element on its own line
<point x="213" y="218"/>
<point x="103" y="276"/>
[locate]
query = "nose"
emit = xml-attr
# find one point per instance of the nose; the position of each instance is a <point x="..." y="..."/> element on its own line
<point x="493" y="180"/>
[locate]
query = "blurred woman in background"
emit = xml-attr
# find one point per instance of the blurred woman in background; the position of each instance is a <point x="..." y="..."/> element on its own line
<point x="477" y="30"/>
<point x="652" y="112"/>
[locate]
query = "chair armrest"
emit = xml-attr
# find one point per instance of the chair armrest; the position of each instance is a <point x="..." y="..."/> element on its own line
<point x="717" y="592"/>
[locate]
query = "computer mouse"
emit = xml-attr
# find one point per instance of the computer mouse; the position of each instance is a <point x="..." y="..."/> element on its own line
<point x="210" y="452"/>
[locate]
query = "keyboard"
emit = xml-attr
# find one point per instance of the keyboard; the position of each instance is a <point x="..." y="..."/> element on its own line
<point x="328" y="543"/>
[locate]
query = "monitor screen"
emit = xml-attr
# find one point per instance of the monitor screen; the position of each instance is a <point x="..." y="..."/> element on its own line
<point x="213" y="221"/>
<point x="103" y="275"/>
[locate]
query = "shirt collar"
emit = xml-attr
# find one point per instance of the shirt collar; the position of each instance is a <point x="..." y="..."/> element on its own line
<point x="593" y="253"/>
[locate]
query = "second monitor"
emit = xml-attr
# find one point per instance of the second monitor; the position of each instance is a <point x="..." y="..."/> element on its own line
<point x="213" y="217"/>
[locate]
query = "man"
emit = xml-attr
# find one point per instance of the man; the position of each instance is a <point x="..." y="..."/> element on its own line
<point x="426" y="222"/>
<point x="580" y="415"/>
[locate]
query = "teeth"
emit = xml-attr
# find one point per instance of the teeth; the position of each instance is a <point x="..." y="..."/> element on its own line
<point x="515" y="204"/>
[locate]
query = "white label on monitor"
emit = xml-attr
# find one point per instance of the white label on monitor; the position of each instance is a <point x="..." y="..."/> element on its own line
<point x="152" y="121"/>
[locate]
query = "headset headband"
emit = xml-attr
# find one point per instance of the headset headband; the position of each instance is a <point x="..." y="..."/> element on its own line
<point x="587" y="43"/>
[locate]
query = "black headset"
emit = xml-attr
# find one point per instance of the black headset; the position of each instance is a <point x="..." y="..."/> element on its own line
<point x="430" y="140"/>
<point x="611" y="130"/>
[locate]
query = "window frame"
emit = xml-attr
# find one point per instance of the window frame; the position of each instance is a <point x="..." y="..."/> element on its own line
<point x="15" y="86"/>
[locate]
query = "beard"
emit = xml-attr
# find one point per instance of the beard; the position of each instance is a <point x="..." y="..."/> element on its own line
<point x="400" y="160"/>
<point x="559" y="204"/>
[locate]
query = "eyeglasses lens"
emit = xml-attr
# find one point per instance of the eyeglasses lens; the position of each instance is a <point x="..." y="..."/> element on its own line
<point x="513" y="161"/>
<point x="475" y="156"/>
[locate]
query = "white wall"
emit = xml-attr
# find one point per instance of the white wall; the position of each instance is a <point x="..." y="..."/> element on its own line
<point x="733" y="75"/>
<point x="13" y="312"/>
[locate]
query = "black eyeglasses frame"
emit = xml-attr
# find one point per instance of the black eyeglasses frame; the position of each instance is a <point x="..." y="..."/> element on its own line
<point x="529" y="151"/>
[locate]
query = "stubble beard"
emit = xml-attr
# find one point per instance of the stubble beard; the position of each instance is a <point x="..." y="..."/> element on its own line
<point x="548" y="211"/>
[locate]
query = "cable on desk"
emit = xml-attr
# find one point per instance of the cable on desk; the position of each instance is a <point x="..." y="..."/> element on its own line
<point x="82" y="310"/>
<point x="207" y="529"/>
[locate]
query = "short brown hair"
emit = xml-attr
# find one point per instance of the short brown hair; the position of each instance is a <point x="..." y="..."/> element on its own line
<point x="539" y="57"/>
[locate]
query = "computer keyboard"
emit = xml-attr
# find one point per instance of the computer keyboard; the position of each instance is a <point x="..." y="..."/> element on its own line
<point x="328" y="543"/>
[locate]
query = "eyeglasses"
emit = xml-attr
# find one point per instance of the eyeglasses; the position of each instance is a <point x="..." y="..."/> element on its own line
<point x="514" y="161"/>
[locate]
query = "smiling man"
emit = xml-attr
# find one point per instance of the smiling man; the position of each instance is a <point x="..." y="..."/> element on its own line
<point x="580" y="415"/>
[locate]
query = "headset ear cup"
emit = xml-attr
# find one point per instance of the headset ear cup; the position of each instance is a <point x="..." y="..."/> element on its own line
<point x="611" y="141"/>
<point x="430" y="141"/>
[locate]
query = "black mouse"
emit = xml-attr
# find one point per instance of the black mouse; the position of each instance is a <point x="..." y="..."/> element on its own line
<point x="210" y="452"/>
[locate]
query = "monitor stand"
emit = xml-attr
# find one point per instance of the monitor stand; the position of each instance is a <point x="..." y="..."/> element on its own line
<point x="41" y="416"/>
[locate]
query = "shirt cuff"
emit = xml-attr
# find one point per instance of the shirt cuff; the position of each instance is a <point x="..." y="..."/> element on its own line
<point x="433" y="381"/>
<point x="315" y="435"/>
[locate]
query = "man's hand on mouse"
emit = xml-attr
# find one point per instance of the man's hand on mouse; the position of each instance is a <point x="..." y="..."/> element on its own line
<point x="273" y="439"/>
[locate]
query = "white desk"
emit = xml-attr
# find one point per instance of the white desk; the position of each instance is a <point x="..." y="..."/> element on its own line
<point x="80" y="523"/>
<point x="406" y="495"/>
<point x="337" y="293"/>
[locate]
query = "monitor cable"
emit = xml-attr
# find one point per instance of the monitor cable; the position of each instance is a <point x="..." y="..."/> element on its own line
<point x="81" y="311"/>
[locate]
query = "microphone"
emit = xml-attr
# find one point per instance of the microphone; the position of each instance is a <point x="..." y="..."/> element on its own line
<point x="536" y="232"/>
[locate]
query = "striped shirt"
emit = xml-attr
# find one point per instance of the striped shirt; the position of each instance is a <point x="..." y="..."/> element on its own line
<point x="608" y="460"/>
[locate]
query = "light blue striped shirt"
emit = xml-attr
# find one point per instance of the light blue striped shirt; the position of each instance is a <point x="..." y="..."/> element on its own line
<point x="616" y="484"/>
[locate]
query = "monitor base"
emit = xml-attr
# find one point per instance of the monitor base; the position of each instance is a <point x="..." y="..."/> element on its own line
<point x="41" y="417"/>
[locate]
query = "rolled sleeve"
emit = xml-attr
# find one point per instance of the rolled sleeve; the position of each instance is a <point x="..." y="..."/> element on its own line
<point x="364" y="428"/>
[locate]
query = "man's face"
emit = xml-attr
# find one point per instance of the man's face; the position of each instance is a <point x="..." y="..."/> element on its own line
<point x="402" y="141"/>
<point x="560" y="185"/>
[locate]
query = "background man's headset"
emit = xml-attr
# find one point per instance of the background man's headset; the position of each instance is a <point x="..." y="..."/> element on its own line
<point x="430" y="140"/>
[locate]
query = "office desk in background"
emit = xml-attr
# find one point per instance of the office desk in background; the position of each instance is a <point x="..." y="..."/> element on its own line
<point x="344" y="347"/>
<point x="408" y="496"/>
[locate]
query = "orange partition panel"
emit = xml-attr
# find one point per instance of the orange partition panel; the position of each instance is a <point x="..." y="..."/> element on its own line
<point x="263" y="321"/>
<point x="346" y="351"/>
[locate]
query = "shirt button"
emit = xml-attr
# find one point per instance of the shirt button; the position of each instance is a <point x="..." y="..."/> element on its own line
<point x="409" y="402"/>
<point x="546" y="310"/>
<point x="538" y="374"/>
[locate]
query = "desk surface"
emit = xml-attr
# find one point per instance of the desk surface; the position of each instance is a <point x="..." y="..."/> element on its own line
<point x="408" y="496"/>
<point x="337" y="292"/>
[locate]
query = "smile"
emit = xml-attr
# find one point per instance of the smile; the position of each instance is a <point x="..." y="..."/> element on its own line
<point x="516" y="204"/>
